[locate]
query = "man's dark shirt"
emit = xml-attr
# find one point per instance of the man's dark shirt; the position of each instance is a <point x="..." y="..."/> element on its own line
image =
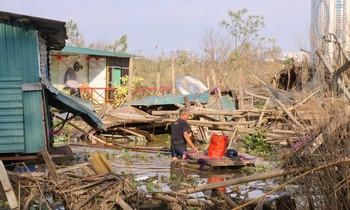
<point x="177" y="134"/>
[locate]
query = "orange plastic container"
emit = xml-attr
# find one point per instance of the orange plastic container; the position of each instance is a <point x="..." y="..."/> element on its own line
<point x="217" y="146"/>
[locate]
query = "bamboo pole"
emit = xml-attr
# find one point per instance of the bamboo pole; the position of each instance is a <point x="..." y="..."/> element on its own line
<point x="157" y="93"/>
<point x="173" y="76"/>
<point x="217" y="112"/>
<point x="240" y="180"/>
<point x="190" y="122"/>
<point x="130" y="80"/>
<point x="190" y="202"/>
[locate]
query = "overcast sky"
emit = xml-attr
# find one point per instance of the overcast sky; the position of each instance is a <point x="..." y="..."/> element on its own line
<point x="170" y="25"/>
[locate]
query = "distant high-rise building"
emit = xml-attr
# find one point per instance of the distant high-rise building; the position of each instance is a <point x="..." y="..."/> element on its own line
<point x="330" y="17"/>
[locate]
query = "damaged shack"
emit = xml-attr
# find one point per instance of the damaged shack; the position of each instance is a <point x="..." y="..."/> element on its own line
<point x="26" y="94"/>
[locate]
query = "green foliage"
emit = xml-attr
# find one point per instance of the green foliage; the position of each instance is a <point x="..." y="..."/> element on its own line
<point x="4" y="204"/>
<point x="256" y="145"/>
<point x="150" y="187"/>
<point x="120" y="45"/>
<point x="243" y="28"/>
<point x="107" y="155"/>
<point x="288" y="62"/>
<point x="75" y="38"/>
<point x="121" y="91"/>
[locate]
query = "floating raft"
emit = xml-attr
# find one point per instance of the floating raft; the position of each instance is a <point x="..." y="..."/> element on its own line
<point x="202" y="159"/>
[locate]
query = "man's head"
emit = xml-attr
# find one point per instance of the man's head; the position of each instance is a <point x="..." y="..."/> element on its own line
<point x="184" y="114"/>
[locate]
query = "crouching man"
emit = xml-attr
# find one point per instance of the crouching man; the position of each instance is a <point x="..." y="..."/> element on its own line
<point x="180" y="136"/>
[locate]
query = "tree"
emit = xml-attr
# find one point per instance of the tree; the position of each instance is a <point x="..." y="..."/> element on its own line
<point x="244" y="28"/>
<point x="75" y="38"/>
<point x="120" y="45"/>
<point x="217" y="49"/>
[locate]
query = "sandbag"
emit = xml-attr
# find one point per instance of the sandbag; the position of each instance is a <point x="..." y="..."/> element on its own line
<point x="217" y="146"/>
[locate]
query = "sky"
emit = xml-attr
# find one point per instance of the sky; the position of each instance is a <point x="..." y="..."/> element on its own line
<point x="156" y="26"/>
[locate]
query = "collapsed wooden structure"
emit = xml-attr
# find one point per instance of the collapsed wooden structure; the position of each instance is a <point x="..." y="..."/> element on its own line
<point x="307" y="122"/>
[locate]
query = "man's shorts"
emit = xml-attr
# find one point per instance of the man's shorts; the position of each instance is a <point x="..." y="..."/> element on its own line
<point x="178" y="152"/>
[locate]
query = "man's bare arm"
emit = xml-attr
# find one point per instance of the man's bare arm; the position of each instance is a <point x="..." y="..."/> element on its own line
<point x="189" y="142"/>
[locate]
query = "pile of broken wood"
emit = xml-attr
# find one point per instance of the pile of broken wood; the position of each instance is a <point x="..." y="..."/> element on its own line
<point x="83" y="186"/>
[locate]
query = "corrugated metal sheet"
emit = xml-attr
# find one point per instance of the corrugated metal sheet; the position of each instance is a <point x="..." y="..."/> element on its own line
<point x="227" y="104"/>
<point x="19" y="58"/>
<point x="169" y="100"/>
<point x="87" y="51"/>
<point x="11" y="116"/>
<point x="74" y="105"/>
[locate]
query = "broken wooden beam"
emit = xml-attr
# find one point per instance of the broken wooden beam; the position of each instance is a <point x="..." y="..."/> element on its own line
<point x="295" y="121"/>
<point x="245" y="179"/>
<point x="50" y="165"/>
<point x="6" y="184"/>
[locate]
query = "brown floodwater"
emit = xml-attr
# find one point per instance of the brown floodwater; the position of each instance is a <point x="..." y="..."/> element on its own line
<point x="156" y="166"/>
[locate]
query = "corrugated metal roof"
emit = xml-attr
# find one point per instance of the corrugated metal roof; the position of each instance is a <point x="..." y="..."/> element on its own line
<point x="53" y="31"/>
<point x="87" y="51"/>
<point x="74" y="105"/>
<point x="169" y="100"/>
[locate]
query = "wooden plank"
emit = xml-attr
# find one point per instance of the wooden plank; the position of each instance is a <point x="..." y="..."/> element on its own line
<point x="49" y="163"/>
<point x="6" y="184"/>
<point x="219" y="162"/>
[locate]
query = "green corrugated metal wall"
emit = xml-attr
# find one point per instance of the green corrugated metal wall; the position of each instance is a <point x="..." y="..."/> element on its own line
<point x="21" y="116"/>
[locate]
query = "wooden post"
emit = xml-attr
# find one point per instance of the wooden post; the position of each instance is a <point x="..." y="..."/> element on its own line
<point x="240" y="88"/>
<point x="158" y="84"/>
<point x="129" y="96"/>
<point x="6" y="184"/>
<point x="173" y="76"/>
<point x="213" y="75"/>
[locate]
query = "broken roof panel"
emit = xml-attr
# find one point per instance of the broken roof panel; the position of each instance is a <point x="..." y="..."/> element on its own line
<point x="74" y="105"/>
<point x="169" y="100"/>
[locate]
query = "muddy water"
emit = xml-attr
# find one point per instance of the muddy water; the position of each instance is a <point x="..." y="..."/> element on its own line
<point x="154" y="166"/>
